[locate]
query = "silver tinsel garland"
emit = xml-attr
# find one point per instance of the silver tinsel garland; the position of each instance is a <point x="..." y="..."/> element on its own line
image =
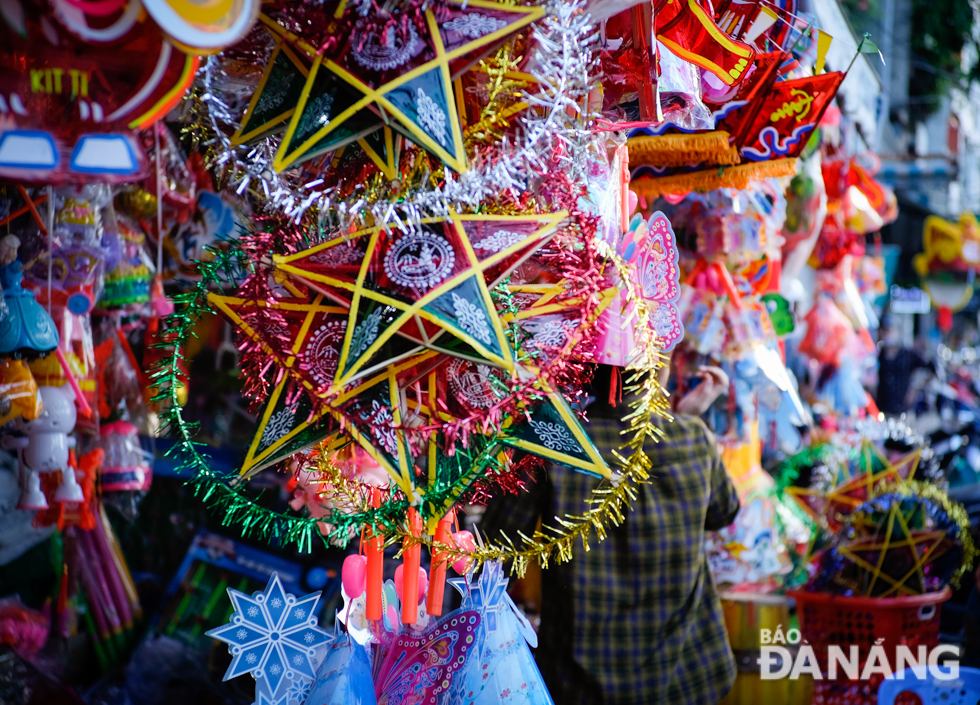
<point x="553" y="136"/>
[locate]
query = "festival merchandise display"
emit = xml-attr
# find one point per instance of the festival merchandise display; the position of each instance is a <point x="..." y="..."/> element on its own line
<point x="377" y="249"/>
<point x="718" y="132"/>
<point x="434" y="329"/>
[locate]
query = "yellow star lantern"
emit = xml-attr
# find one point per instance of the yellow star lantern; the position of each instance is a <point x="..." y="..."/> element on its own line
<point x="429" y="284"/>
<point x="851" y="491"/>
<point x="922" y="546"/>
<point x="275" y="99"/>
<point x="400" y="66"/>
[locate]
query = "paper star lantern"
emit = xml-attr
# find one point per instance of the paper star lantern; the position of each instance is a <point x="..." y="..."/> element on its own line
<point x="276" y="95"/>
<point x="363" y="414"/>
<point x="553" y="432"/>
<point x="907" y="540"/>
<point x="403" y="69"/>
<point x="430" y="284"/>
<point x="288" y="424"/>
<point x="274" y="102"/>
<point x="852" y="490"/>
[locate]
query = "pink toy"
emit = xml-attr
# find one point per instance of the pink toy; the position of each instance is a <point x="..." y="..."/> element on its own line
<point x="465" y="542"/>
<point x="423" y="583"/>
<point x="354" y="575"/>
<point x="43" y="445"/>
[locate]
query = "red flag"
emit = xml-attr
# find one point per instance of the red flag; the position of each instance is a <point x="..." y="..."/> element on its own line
<point x="787" y="115"/>
<point x="737" y="114"/>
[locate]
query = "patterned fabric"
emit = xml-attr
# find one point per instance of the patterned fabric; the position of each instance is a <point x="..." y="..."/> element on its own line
<point x="635" y="620"/>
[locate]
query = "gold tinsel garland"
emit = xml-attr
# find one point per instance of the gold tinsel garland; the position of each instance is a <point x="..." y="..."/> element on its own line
<point x="608" y="501"/>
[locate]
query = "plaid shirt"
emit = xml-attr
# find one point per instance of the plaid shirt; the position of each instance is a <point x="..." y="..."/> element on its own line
<point x="636" y="620"/>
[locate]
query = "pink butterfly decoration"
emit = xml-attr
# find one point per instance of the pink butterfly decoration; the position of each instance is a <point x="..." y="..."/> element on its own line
<point x="651" y="249"/>
<point x="418" y="668"/>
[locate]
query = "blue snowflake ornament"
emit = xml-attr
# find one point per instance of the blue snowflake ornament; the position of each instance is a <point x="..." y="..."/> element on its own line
<point x="274" y="636"/>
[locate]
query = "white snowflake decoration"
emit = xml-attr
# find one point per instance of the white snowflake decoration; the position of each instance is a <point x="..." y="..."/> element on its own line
<point x="471" y="319"/>
<point x="364" y="334"/>
<point x="280" y="423"/>
<point x="555" y="437"/>
<point x="272" y="636"/>
<point x="474" y="25"/>
<point x="500" y="240"/>
<point x="299" y="691"/>
<point x="431" y="115"/>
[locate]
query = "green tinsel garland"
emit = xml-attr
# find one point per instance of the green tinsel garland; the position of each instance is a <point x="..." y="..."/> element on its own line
<point x="224" y="267"/>
<point x="459" y="471"/>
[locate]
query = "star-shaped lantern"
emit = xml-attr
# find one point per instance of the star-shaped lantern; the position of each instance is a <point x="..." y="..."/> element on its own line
<point x="398" y="66"/>
<point x="872" y="469"/>
<point x="428" y="282"/>
<point x="275" y="100"/>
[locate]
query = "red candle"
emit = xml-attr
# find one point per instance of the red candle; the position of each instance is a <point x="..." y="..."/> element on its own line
<point x="412" y="559"/>
<point x="375" y="567"/>
<point x="437" y="584"/>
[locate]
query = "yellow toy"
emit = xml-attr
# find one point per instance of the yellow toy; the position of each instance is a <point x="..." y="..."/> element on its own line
<point x="951" y="249"/>
<point x="18" y="392"/>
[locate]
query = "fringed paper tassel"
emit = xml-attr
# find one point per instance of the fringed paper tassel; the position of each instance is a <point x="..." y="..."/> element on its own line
<point x="437" y="584"/>
<point x="682" y="150"/>
<point x="737" y="177"/>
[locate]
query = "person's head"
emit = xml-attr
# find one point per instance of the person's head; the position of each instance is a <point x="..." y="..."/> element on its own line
<point x="889" y="337"/>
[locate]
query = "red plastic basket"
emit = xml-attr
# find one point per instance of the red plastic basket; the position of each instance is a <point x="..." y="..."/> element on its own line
<point x="827" y="620"/>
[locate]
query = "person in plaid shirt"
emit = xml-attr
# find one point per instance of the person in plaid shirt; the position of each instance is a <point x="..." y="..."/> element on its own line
<point x="636" y="620"/>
